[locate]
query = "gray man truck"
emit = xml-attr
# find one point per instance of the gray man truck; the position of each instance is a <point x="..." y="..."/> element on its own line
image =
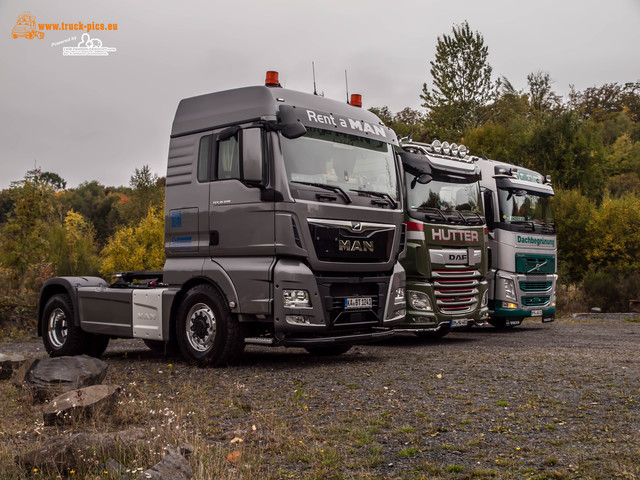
<point x="522" y="243"/>
<point x="446" y="261"/>
<point x="283" y="227"/>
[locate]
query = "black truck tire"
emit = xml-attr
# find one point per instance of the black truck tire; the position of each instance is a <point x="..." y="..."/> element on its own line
<point x="59" y="335"/>
<point x="206" y="331"/>
<point x="328" y="351"/>
<point x="96" y="345"/>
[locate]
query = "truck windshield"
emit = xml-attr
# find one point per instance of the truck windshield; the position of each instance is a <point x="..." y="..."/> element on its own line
<point x="352" y="164"/>
<point x="444" y="201"/>
<point x="525" y="207"/>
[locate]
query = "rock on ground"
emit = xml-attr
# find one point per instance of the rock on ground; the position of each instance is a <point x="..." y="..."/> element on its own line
<point x="48" y="377"/>
<point x="171" y="467"/>
<point x="71" y="452"/>
<point x="81" y="403"/>
<point x="9" y="363"/>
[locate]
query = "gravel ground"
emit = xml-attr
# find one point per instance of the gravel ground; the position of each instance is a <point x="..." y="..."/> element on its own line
<point x="559" y="400"/>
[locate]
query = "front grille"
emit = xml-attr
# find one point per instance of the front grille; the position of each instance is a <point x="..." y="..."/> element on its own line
<point x="456" y="291"/>
<point x="529" y="286"/>
<point x="337" y="244"/>
<point x="535" y="301"/>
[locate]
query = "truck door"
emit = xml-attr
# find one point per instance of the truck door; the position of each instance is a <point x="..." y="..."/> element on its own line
<point x="240" y="223"/>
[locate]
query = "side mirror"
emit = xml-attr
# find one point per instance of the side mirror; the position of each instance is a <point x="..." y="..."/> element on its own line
<point x="293" y="130"/>
<point x="424" y="178"/>
<point x="252" y="155"/>
<point x="228" y="133"/>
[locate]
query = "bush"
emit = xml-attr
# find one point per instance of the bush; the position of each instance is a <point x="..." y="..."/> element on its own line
<point x="611" y="290"/>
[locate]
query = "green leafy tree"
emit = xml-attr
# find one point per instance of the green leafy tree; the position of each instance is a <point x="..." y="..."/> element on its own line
<point x="100" y="205"/>
<point x="462" y="84"/>
<point x="147" y="191"/>
<point x="542" y="98"/>
<point x="24" y="243"/>
<point x="572" y="212"/>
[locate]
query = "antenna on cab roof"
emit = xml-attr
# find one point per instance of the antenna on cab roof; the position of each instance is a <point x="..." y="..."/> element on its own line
<point x="313" y="68"/>
<point x="346" y="83"/>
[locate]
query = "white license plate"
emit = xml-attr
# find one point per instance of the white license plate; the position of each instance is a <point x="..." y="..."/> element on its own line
<point x="459" y="322"/>
<point x="358" y="302"/>
<point x="536" y="313"/>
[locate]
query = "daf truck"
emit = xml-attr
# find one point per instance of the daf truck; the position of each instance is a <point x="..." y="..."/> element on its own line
<point x="522" y="243"/>
<point x="446" y="261"/>
<point x="283" y="227"/>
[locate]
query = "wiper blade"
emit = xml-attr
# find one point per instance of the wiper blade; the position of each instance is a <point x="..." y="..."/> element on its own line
<point x="373" y="193"/>
<point x="332" y="188"/>
<point x="470" y="215"/>
<point x="430" y="212"/>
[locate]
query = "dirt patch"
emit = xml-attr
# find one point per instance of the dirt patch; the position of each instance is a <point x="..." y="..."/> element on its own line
<point x="558" y="400"/>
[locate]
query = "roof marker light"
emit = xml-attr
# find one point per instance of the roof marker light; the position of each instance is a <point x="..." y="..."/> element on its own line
<point x="272" y="79"/>
<point x="356" y="100"/>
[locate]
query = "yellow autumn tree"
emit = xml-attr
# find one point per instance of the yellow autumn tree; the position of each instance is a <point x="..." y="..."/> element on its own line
<point x="139" y="247"/>
<point x="615" y="230"/>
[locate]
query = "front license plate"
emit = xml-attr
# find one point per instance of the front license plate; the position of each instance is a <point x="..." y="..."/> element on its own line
<point x="512" y="323"/>
<point x="536" y="313"/>
<point x="459" y="322"/>
<point x="358" y="302"/>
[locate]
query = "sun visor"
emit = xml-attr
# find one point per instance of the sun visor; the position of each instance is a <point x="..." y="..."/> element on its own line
<point x="339" y="122"/>
<point x="506" y="183"/>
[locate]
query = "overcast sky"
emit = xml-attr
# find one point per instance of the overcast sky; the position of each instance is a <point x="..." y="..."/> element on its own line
<point x="99" y="118"/>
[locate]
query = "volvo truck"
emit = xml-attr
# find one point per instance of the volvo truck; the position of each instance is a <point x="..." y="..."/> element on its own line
<point x="283" y="227"/>
<point x="446" y="261"/>
<point x="522" y="243"/>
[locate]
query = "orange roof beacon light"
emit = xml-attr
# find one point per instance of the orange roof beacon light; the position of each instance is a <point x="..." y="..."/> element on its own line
<point x="356" y="100"/>
<point x="272" y="79"/>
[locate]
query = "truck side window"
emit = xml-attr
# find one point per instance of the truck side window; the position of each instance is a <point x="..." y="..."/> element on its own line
<point x="228" y="159"/>
<point x="204" y="156"/>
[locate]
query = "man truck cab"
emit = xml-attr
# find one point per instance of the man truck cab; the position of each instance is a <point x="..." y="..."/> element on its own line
<point x="283" y="227"/>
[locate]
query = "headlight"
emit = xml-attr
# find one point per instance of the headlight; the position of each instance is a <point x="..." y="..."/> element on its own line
<point x="296" y="298"/>
<point x="399" y="296"/>
<point x="419" y="301"/>
<point x="509" y="287"/>
<point x="485" y="298"/>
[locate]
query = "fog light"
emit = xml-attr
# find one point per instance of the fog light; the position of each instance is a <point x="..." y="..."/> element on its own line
<point x="419" y="301"/>
<point x="296" y="298"/>
<point x="511" y="305"/>
<point x="298" y="319"/>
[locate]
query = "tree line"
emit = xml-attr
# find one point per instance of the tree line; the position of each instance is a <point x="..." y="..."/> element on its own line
<point x="589" y="142"/>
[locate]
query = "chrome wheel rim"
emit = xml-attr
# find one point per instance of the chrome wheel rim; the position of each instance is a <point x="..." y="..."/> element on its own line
<point x="58" y="329"/>
<point x="200" y="327"/>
